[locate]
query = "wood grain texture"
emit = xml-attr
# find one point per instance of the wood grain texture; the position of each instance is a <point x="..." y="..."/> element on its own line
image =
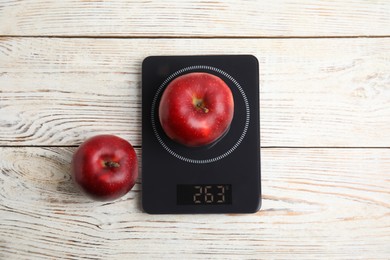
<point x="314" y="92"/>
<point x="198" y="18"/>
<point x="317" y="203"/>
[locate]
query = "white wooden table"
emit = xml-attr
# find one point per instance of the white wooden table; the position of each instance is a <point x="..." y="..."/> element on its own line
<point x="71" y="69"/>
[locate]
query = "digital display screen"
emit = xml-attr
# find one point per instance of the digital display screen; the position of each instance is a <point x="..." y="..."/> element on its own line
<point x="201" y="194"/>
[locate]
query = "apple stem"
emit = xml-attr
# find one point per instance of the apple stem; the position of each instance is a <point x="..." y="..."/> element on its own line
<point x="110" y="164"/>
<point x="201" y="106"/>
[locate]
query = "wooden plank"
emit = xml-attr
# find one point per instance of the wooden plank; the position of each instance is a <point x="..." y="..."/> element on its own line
<point x="198" y="18"/>
<point x="317" y="204"/>
<point x="314" y="92"/>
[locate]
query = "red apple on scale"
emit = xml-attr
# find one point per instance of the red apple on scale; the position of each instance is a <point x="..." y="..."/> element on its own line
<point x="105" y="167"/>
<point x="196" y="109"/>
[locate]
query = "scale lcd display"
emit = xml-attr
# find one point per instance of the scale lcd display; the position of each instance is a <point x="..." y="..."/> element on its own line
<point x="201" y="194"/>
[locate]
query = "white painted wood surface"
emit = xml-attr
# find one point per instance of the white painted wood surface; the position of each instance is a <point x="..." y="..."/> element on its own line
<point x="199" y="18"/>
<point x="331" y="203"/>
<point x="72" y="69"/>
<point x="314" y="92"/>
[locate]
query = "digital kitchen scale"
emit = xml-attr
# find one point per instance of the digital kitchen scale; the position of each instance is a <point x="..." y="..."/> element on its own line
<point x="223" y="177"/>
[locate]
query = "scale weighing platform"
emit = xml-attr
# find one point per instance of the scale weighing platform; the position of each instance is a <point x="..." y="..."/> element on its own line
<point x="220" y="178"/>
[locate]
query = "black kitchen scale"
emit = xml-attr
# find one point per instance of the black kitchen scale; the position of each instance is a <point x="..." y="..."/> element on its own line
<point x="223" y="177"/>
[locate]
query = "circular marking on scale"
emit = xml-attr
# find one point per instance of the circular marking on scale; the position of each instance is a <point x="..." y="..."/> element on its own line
<point x="162" y="87"/>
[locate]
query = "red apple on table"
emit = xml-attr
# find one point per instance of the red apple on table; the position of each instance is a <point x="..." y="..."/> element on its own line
<point x="105" y="167"/>
<point x="196" y="109"/>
